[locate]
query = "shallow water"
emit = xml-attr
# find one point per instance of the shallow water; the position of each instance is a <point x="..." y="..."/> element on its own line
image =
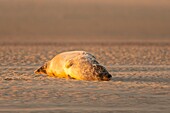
<point x="140" y="83"/>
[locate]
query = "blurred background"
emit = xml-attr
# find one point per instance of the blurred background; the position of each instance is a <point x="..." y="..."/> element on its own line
<point x="84" y="20"/>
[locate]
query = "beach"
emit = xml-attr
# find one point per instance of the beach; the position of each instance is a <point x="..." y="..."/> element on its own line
<point x="140" y="79"/>
<point x="130" y="38"/>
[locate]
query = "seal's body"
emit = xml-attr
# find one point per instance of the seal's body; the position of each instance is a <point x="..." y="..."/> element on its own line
<point x="78" y="65"/>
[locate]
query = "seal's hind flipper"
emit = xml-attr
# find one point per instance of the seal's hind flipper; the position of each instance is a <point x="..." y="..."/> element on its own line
<point x="41" y="70"/>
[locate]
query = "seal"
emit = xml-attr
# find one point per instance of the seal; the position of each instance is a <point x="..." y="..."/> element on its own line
<point x="78" y="65"/>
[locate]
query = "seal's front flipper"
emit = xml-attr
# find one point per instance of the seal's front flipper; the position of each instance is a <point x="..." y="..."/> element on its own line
<point x="69" y="63"/>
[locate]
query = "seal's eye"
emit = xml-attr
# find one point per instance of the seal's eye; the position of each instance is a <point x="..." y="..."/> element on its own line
<point x="109" y="76"/>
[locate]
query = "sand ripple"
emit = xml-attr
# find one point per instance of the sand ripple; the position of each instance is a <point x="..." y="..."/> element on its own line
<point x="140" y="83"/>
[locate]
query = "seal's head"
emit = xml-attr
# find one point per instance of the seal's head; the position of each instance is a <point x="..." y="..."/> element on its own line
<point x="105" y="76"/>
<point x="41" y="70"/>
<point x="102" y="73"/>
<point x="85" y="68"/>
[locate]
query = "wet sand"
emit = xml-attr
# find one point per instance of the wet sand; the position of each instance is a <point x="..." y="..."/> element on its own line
<point x="140" y="83"/>
<point x="131" y="38"/>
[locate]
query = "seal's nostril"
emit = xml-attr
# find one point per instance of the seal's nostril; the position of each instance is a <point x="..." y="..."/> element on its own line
<point x="109" y="76"/>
